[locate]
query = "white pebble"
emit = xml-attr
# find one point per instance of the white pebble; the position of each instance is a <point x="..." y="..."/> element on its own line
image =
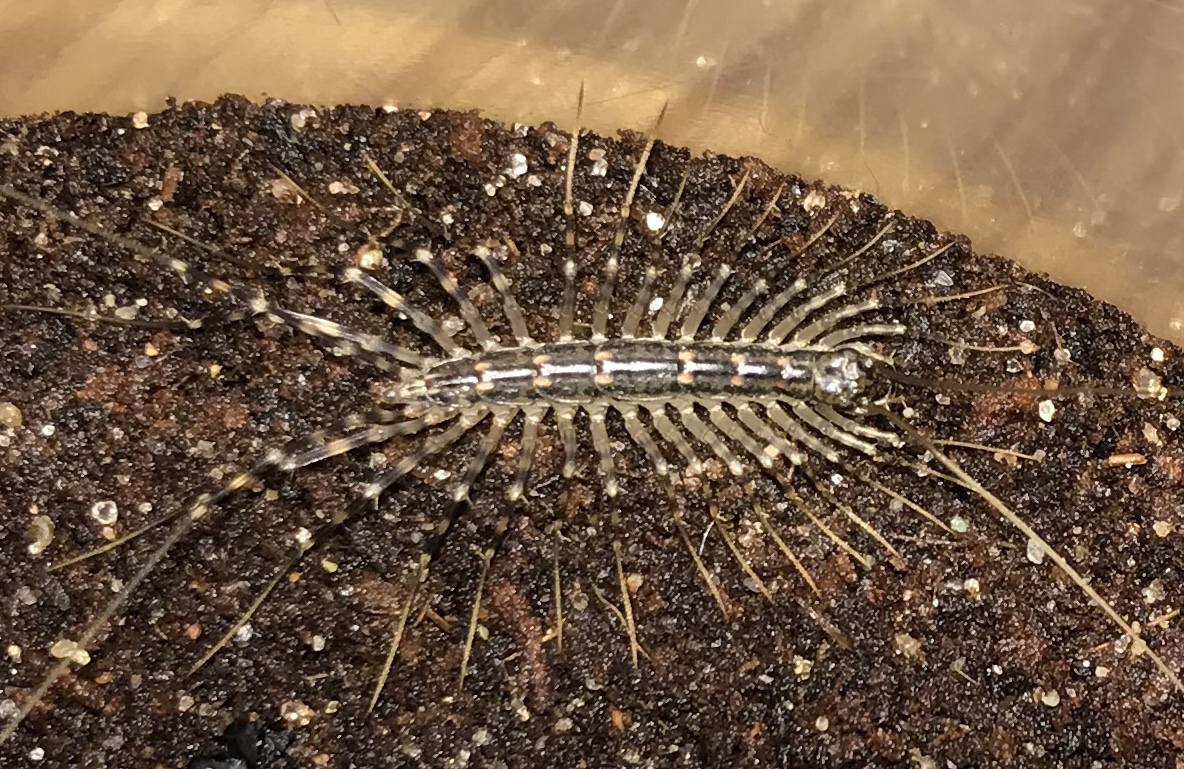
<point x="1035" y="552"/>
<point x="1047" y="410"/>
<point x="1157" y="354"/>
<point x="654" y="221"/>
<point x="1027" y="326"/>
<point x="585" y="208"/>
<point x="105" y="512"/>
<point x="140" y="120"/>
<point x="518" y="165"/>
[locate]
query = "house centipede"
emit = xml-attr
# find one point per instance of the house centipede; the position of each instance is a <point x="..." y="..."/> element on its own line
<point x="795" y="380"/>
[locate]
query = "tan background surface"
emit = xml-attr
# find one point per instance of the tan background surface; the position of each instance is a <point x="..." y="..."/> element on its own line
<point x="1050" y="131"/>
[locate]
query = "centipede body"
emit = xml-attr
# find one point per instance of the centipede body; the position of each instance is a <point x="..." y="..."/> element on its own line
<point x="274" y="385"/>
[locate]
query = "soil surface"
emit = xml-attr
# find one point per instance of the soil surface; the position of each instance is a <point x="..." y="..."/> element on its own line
<point x="970" y="649"/>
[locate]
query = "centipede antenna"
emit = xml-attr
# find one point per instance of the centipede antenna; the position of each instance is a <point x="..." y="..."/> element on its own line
<point x="1025" y="529"/>
<point x="704" y="574"/>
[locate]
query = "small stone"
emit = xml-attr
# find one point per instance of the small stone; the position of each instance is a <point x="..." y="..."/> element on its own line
<point x="815" y="201"/>
<point x="654" y="221"/>
<point x="1050" y="698"/>
<point x="296" y="713"/>
<point x="585" y="208"/>
<point x="1154" y="592"/>
<point x="959" y="524"/>
<point x="1157" y="354"/>
<point x="1027" y="326"/>
<point x="67" y="649"/>
<point x="822" y="723"/>
<point x="1035" y="552"/>
<point x="140" y="120"/>
<point x="328" y="565"/>
<point x="972" y="587"/>
<point x="10" y="416"/>
<point x="1047" y="410"/>
<point x="40" y="534"/>
<point x="185" y="703"/>
<point x="14" y="652"/>
<point x="151" y="350"/>
<point x="36" y="754"/>
<point x="633" y="582"/>
<point x="1161" y="528"/>
<point x="909" y="646"/>
<point x="105" y="512"/>
<point x="518" y="165"/>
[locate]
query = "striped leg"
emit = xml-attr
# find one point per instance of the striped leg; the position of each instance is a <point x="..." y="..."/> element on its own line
<point x="257" y="304"/>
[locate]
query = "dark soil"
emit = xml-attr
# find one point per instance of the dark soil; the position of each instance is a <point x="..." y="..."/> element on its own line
<point x="1020" y="671"/>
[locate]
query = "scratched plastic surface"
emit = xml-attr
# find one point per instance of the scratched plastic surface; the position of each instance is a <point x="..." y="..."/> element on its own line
<point x="1049" y="132"/>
